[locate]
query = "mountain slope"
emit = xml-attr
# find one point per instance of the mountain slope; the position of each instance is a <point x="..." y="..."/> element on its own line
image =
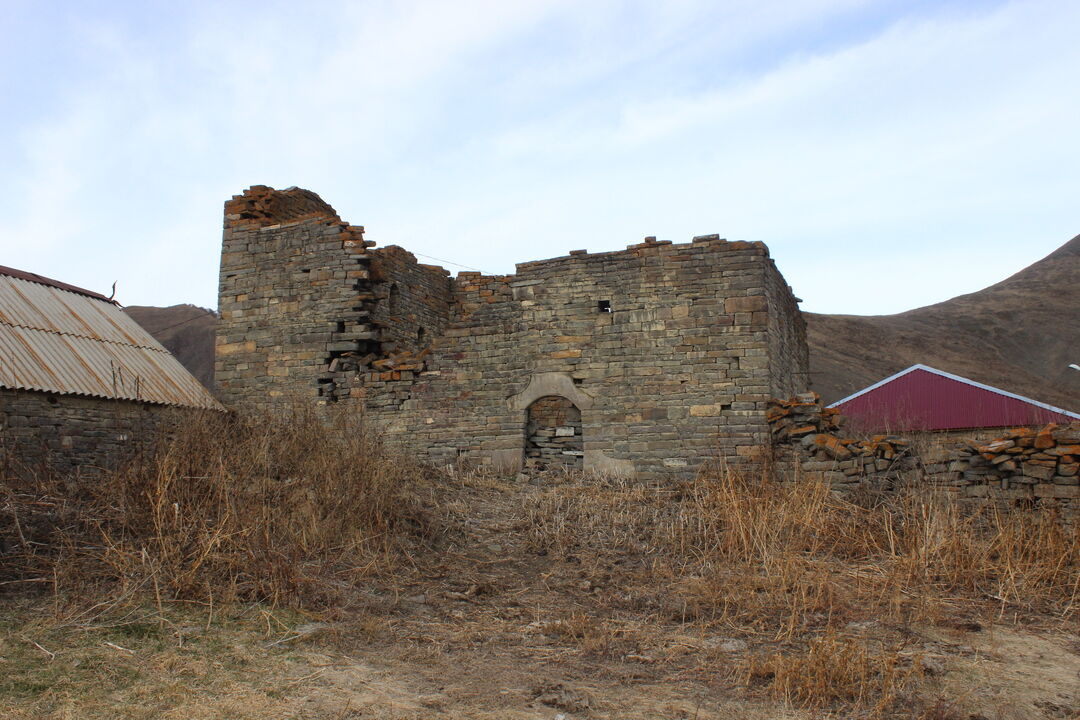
<point x="186" y="331"/>
<point x="1019" y="335"/>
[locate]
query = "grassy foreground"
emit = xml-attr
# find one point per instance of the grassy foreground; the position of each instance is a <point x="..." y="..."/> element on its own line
<point x="142" y="663"/>
<point x="293" y="570"/>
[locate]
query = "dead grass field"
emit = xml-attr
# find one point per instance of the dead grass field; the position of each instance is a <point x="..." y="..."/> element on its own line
<point x="473" y="596"/>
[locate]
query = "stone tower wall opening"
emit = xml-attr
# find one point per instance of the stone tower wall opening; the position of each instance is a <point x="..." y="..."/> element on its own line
<point x="553" y="435"/>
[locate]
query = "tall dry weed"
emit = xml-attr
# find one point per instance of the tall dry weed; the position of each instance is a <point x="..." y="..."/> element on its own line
<point x="833" y="670"/>
<point x="813" y="574"/>
<point x="759" y="548"/>
<point x="288" y="509"/>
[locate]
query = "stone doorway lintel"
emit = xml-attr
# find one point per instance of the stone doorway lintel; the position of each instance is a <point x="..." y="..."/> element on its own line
<point x="550" y="383"/>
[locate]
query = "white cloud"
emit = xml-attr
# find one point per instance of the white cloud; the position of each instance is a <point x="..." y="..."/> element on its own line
<point x="892" y="142"/>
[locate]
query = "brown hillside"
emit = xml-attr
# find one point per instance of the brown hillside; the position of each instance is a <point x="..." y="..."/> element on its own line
<point x="1019" y="335"/>
<point x="186" y="331"/>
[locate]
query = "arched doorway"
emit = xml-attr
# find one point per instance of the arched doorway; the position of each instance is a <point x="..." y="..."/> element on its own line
<point x="553" y="437"/>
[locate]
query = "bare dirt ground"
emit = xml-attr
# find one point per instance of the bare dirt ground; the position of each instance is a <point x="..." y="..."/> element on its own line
<point x="507" y="614"/>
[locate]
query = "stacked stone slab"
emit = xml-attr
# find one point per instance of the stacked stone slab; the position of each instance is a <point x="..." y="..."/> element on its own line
<point x="809" y="436"/>
<point x="1022" y="466"/>
<point x="553" y="435"/>
<point x="669" y="351"/>
<point x="1041" y="462"/>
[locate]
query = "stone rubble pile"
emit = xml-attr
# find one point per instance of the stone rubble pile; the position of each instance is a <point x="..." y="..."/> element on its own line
<point x="384" y="368"/>
<point x="1048" y="458"/>
<point x="801" y="420"/>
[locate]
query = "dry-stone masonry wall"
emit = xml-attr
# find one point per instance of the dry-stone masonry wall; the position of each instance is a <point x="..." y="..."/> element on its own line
<point x="1016" y="467"/>
<point x="305" y="302"/>
<point x="669" y="352"/>
<point x="68" y="433"/>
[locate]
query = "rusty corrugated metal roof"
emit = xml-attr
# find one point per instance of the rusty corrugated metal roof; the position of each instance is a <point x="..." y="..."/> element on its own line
<point x="41" y="279"/>
<point x="58" y="338"/>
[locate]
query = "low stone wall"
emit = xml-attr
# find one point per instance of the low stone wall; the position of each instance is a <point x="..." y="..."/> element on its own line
<point x="1008" y="467"/>
<point x="1024" y="463"/>
<point x="72" y="434"/>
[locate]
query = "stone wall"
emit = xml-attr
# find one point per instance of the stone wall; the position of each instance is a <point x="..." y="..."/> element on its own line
<point x="69" y="433"/>
<point x="669" y="351"/>
<point x="1018" y="467"/>
<point x="294" y="295"/>
<point x="414" y="300"/>
<point x="789" y="355"/>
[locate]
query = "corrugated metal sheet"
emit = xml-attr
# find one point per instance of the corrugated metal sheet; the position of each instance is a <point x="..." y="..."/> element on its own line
<point x="64" y="341"/>
<point x="922" y="398"/>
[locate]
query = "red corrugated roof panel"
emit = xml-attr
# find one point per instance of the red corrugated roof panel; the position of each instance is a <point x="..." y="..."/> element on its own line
<point x="922" y="398"/>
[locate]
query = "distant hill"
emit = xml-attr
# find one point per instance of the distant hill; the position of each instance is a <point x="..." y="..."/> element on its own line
<point x="186" y="331"/>
<point x="1018" y="335"/>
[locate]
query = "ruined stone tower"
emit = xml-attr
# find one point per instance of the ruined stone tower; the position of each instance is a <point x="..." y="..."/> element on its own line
<point x="645" y="361"/>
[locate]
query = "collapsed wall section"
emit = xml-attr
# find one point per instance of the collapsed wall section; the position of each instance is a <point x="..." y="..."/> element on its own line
<point x="303" y="299"/>
<point x="293" y="292"/>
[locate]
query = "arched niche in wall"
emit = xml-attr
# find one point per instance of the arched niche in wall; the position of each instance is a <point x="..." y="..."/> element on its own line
<point x="553" y="435"/>
<point x="549" y="405"/>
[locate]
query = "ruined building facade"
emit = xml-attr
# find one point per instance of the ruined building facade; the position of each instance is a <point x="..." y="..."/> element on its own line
<point x="644" y="362"/>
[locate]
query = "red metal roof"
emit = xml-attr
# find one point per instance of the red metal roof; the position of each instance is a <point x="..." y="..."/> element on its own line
<point x="922" y="398"/>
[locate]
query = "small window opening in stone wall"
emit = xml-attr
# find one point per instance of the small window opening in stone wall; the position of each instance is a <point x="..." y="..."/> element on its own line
<point x="393" y="300"/>
<point x="553" y="437"/>
<point x="603" y="306"/>
<point x="420" y="332"/>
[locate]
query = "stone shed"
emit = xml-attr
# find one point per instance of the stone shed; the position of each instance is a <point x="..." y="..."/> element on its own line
<point x="80" y="381"/>
<point x="646" y="361"/>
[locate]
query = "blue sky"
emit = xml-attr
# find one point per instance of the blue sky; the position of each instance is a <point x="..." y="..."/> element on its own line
<point x="891" y="154"/>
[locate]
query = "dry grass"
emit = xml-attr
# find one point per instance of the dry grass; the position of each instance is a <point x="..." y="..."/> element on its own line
<point x="285" y="509"/>
<point x="835" y="671"/>
<point x="789" y="593"/>
<point x="146" y="664"/>
<point x="910" y="554"/>
<point x="799" y="569"/>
